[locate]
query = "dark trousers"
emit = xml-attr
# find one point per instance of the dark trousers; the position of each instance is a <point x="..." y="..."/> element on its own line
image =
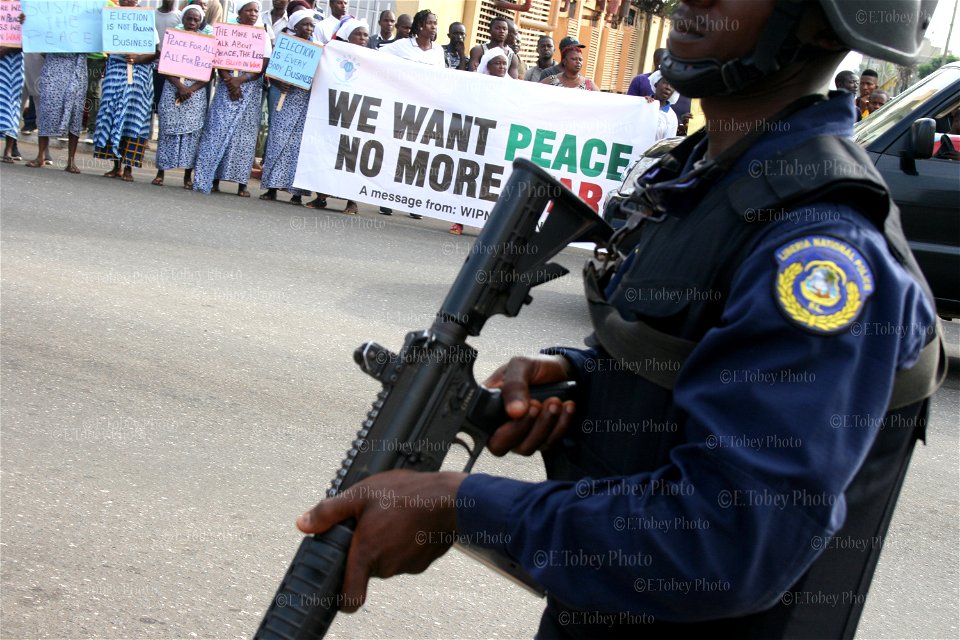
<point x="95" y="72"/>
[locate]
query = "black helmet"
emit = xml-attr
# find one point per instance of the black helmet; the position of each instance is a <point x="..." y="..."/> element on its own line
<point x="886" y="29"/>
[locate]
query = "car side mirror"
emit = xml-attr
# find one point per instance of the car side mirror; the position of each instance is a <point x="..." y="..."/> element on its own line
<point x="923" y="133"/>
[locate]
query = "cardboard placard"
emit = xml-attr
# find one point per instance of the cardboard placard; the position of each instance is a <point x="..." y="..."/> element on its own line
<point x="62" y="26"/>
<point x="187" y="54"/>
<point x="239" y="47"/>
<point x="294" y="61"/>
<point x="129" y="30"/>
<point x="11" y="34"/>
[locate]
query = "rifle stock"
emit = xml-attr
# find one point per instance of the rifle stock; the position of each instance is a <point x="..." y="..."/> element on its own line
<point x="429" y="394"/>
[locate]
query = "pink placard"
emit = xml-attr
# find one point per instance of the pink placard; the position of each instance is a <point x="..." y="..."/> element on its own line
<point x="10" y="27"/>
<point x="239" y="47"/>
<point x="187" y="54"/>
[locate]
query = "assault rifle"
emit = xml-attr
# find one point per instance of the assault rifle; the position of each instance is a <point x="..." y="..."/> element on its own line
<point x="429" y="394"/>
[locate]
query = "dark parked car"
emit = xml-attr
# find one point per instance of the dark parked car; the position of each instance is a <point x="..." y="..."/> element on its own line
<point x="901" y="137"/>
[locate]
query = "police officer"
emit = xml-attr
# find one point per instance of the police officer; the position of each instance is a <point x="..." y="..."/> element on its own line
<point x="758" y="321"/>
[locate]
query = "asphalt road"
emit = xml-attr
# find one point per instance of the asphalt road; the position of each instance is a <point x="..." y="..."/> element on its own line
<point x="178" y="385"/>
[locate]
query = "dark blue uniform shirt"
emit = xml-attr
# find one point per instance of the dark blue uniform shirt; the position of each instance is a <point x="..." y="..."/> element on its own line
<point x="767" y="425"/>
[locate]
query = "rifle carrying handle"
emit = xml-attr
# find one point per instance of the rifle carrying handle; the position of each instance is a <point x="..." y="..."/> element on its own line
<point x="309" y="596"/>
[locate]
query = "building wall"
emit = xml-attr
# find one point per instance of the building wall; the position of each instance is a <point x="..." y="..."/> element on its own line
<point x="369" y="10"/>
<point x="447" y="11"/>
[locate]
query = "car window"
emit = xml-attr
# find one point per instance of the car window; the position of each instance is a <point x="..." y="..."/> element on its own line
<point x="900" y="107"/>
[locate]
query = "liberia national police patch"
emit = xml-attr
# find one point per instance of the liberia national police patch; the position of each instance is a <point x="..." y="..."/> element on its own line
<point x="822" y="283"/>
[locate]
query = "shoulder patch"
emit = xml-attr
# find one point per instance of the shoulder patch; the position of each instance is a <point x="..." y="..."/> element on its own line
<point x="822" y="283"/>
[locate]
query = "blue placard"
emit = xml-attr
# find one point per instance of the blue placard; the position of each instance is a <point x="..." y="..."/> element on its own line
<point x="62" y="26"/>
<point x="129" y="30"/>
<point x="294" y="61"/>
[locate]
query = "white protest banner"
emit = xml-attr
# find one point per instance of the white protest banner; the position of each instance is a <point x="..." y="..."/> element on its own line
<point x="441" y="143"/>
<point x="129" y="30"/>
<point x="239" y="47"/>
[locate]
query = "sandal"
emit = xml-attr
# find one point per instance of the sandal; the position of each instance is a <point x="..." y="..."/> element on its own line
<point x="269" y="196"/>
<point x="351" y="208"/>
<point x="456" y="228"/>
<point x="157" y="182"/>
<point x="8" y="159"/>
<point x="317" y="203"/>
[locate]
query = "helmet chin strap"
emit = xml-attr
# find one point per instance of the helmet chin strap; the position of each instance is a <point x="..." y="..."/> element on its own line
<point x="776" y="48"/>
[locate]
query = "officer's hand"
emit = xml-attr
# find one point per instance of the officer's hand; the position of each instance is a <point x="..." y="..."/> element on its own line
<point x="534" y="425"/>
<point x="405" y="521"/>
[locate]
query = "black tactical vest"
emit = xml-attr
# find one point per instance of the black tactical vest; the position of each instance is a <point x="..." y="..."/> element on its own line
<point x="684" y="256"/>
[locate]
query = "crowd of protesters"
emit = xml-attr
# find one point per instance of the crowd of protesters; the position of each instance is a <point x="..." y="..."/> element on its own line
<point x="212" y="130"/>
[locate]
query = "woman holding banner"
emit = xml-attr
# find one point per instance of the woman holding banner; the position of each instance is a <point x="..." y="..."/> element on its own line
<point x="571" y="61"/>
<point x="229" y="137"/>
<point x="355" y="32"/>
<point x="126" y="110"/>
<point x="494" y="63"/>
<point x="286" y="123"/>
<point x="180" y="113"/>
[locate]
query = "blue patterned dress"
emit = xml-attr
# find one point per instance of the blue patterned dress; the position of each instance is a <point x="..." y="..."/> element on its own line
<point x="180" y="127"/>
<point x="123" y="121"/>
<point x="283" y="141"/>
<point x="63" y="88"/>
<point x="11" y="85"/>
<point x="229" y="138"/>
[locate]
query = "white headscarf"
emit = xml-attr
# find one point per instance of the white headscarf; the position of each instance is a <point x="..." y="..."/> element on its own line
<point x="192" y="7"/>
<point x="243" y="4"/>
<point x="489" y="56"/>
<point x="656" y="77"/>
<point x="349" y="26"/>
<point x="298" y="16"/>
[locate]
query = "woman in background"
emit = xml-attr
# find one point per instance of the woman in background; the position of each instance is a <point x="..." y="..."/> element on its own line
<point x="62" y="87"/>
<point x="126" y="110"/>
<point x="667" y="122"/>
<point x="355" y="32"/>
<point x="286" y="125"/>
<point x="180" y="113"/>
<point x="571" y="59"/>
<point x="492" y="63"/>
<point x="11" y="86"/>
<point x="229" y="137"/>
